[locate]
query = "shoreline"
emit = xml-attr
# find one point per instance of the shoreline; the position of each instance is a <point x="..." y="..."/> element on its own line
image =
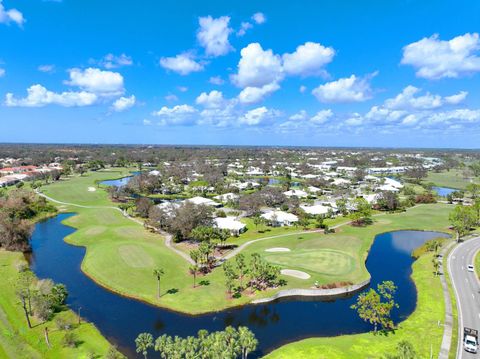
<point x="320" y="293"/>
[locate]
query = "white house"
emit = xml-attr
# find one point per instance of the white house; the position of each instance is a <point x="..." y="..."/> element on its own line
<point x="245" y="185"/>
<point x="280" y="218"/>
<point x="393" y="183"/>
<point x="371" y="198"/>
<point x="386" y="170"/>
<point x="310" y="176"/>
<point x="316" y="210"/>
<point x="388" y="188"/>
<point x="231" y="224"/>
<point x="296" y="192"/>
<point x="204" y="201"/>
<point x="341" y="182"/>
<point x="313" y="189"/>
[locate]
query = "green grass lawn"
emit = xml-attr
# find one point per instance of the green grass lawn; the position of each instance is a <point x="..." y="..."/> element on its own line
<point x="420" y="328"/>
<point x="75" y="189"/>
<point x="121" y="255"/>
<point x="327" y="262"/>
<point x="18" y="341"/>
<point x="452" y="179"/>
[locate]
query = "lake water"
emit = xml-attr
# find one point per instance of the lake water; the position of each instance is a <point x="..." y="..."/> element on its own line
<point x="444" y="191"/>
<point x="120" y="182"/>
<point x="121" y="319"/>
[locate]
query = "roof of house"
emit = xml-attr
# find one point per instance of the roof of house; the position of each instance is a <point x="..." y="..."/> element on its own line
<point x="202" y="200"/>
<point x="229" y="223"/>
<point x="295" y="192"/>
<point x="393" y="183"/>
<point x="280" y="216"/>
<point x="317" y="209"/>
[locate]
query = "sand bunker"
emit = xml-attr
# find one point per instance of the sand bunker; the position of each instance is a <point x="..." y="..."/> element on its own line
<point x="277" y="249"/>
<point x="91" y="189"/>
<point x="295" y="273"/>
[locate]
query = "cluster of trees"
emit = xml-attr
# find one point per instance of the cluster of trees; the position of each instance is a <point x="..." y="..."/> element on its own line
<point x="256" y="274"/>
<point x="362" y="214"/>
<point x="181" y="220"/>
<point x="231" y="343"/>
<point x="375" y="306"/>
<point x="267" y="196"/>
<point x="17" y="209"/>
<point x="39" y="298"/>
<point x="464" y="218"/>
<point x="416" y="174"/>
<point x="388" y="201"/>
<point x="203" y="258"/>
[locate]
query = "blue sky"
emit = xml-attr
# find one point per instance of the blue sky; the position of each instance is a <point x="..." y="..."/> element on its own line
<point x="323" y="73"/>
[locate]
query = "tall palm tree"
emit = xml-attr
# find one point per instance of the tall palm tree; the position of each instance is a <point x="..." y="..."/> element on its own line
<point x="158" y="273"/>
<point x="247" y="341"/>
<point x="193" y="270"/>
<point x="143" y="342"/>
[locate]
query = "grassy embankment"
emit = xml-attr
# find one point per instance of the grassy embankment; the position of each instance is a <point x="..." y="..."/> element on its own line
<point x="420" y="328"/>
<point x="121" y="254"/>
<point x="452" y="179"/>
<point x="18" y="341"/>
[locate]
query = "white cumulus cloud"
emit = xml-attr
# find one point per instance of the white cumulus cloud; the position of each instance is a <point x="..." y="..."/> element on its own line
<point x="308" y="59"/>
<point x="321" y="116"/>
<point x="11" y="15"/>
<point x="216" y="80"/>
<point x="213" y="35"/>
<point x="111" y="61"/>
<point x="350" y="89"/>
<point x="407" y="99"/>
<point x="244" y="27"/>
<point x="435" y="59"/>
<point x="258" y="116"/>
<point x="214" y="99"/>
<point x="181" y="115"/>
<point x="259" y="18"/>
<point x="182" y="64"/>
<point x="301" y="115"/>
<point x="105" y="83"/>
<point x="256" y="94"/>
<point x="39" y="96"/>
<point x="457" y="98"/>
<point x="124" y="103"/>
<point x="258" y="67"/>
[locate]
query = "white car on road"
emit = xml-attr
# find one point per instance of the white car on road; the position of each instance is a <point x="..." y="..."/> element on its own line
<point x="470" y="268"/>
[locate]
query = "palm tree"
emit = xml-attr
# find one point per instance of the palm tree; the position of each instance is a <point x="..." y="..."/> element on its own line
<point x="158" y="273"/>
<point x="193" y="270"/>
<point x="143" y="342"/>
<point x="247" y="341"/>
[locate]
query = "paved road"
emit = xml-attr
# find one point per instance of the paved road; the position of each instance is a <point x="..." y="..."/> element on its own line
<point x="467" y="290"/>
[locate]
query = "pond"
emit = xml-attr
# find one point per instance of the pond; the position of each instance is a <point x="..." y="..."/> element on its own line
<point x="444" y="191"/>
<point x="120" y="182"/>
<point x="121" y="319"/>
